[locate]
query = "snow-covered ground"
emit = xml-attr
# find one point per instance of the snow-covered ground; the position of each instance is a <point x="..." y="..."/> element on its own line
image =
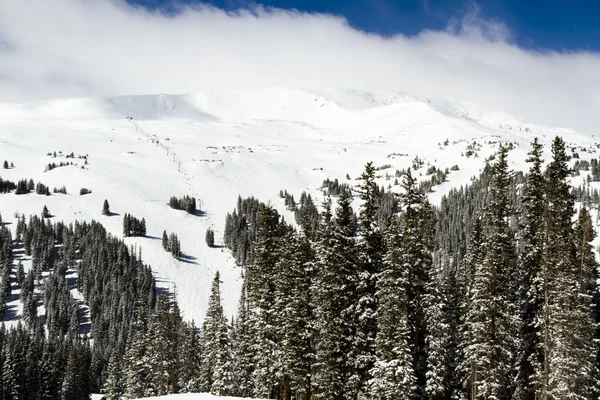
<point x="215" y="146"/>
<point x="192" y="396"/>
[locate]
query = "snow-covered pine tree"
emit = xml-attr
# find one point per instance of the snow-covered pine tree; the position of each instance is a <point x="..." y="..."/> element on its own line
<point x="189" y="354"/>
<point x="490" y="316"/>
<point x="370" y="250"/>
<point x="105" y="208"/>
<point x="295" y="314"/>
<point x="393" y="375"/>
<point x="531" y="354"/>
<point x="260" y="286"/>
<point x="215" y="365"/>
<point x="242" y="349"/>
<point x="417" y="241"/>
<point x="334" y="299"/>
<point x="162" y="336"/>
<point x="113" y="388"/>
<point x="567" y="326"/>
<point x="137" y="368"/>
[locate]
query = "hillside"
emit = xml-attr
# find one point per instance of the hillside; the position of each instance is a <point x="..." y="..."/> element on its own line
<point x="141" y="150"/>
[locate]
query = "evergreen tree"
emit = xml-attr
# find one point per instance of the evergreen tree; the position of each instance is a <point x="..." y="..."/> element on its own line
<point x="113" y="387"/>
<point x="260" y="286"/>
<point x="189" y="353"/>
<point x="569" y="369"/>
<point x="370" y="246"/>
<point x="106" y="208"/>
<point x="215" y="367"/>
<point x="210" y="237"/>
<point x="531" y="356"/>
<point x="490" y="317"/>
<point x="242" y="342"/>
<point x="165" y="241"/>
<point x="295" y="315"/>
<point x="393" y="372"/>
<point x="417" y="233"/>
<point x="334" y="298"/>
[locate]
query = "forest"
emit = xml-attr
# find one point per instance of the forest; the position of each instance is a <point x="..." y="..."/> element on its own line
<point x="491" y="295"/>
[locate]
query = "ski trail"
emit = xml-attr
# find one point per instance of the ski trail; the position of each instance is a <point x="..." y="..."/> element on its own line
<point x="153" y="139"/>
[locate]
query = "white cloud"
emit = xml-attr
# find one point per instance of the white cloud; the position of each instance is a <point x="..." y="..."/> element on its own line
<point x="106" y="47"/>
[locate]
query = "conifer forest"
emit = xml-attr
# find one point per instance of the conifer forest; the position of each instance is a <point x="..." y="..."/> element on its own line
<point x="492" y="295"/>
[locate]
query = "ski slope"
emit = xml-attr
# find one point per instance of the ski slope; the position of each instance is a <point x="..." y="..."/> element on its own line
<point x="141" y="150"/>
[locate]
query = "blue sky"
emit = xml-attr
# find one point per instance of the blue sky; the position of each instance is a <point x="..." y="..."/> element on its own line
<point x="561" y="25"/>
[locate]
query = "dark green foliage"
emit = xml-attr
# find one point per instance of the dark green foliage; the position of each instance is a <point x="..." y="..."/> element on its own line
<point x="5" y="164"/>
<point x="307" y="216"/>
<point x="185" y="203"/>
<point x="210" y="237"/>
<point x="7" y="186"/>
<point x="239" y="233"/>
<point x="45" y="212"/>
<point x="84" y="191"/>
<point x="105" y="208"/>
<point x="133" y="226"/>
<point x="335" y="188"/>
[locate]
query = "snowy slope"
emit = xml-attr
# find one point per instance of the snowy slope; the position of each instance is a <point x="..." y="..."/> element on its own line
<point x="193" y="396"/>
<point x="216" y="146"/>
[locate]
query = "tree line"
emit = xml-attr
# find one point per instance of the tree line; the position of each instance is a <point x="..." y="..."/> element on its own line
<point x="420" y="309"/>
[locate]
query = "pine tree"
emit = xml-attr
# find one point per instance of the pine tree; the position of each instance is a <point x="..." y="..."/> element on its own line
<point x="295" y="314"/>
<point x="113" y="387"/>
<point x="242" y="349"/>
<point x="163" y="335"/>
<point x="45" y="212"/>
<point x="569" y="369"/>
<point x="260" y="288"/>
<point x="106" y="208"/>
<point x="210" y="237"/>
<point x="531" y="355"/>
<point x="189" y="353"/>
<point x="74" y="385"/>
<point x="370" y="246"/>
<point x="137" y="369"/>
<point x="5" y="165"/>
<point x="490" y="317"/>
<point x="417" y="233"/>
<point x="334" y="298"/>
<point x="215" y="366"/>
<point x="165" y="241"/>
<point x="393" y="372"/>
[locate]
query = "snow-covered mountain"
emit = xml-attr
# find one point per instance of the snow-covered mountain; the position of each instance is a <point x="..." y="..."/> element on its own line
<point x="141" y="150"/>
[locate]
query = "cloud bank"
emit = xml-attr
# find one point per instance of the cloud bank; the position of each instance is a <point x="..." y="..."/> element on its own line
<point x="72" y="48"/>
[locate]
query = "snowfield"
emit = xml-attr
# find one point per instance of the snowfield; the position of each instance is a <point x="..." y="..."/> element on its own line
<point x="215" y="146"/>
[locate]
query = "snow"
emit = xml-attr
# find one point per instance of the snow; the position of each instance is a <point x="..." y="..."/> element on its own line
<point x="193" y="396"/>
<point x="215" y="146"/>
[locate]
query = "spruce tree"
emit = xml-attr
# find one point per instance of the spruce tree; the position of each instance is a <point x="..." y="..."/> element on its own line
<point x="242" y="342"/>
<point x="569" y="369"/>
<point x="417" y="233"/>
<point x="393" y="375"/>
<point x="335" y="298"/>
<point x="490" y="316"/>
<point x="260" y="281"/>
<point x="370" y="245"/>
<point x="216" y="361"/>
<point x="106" y="208"/>
<point x="531" y="355"/>
<point x="113" y="387"/>
<point x="295" y="314"/>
